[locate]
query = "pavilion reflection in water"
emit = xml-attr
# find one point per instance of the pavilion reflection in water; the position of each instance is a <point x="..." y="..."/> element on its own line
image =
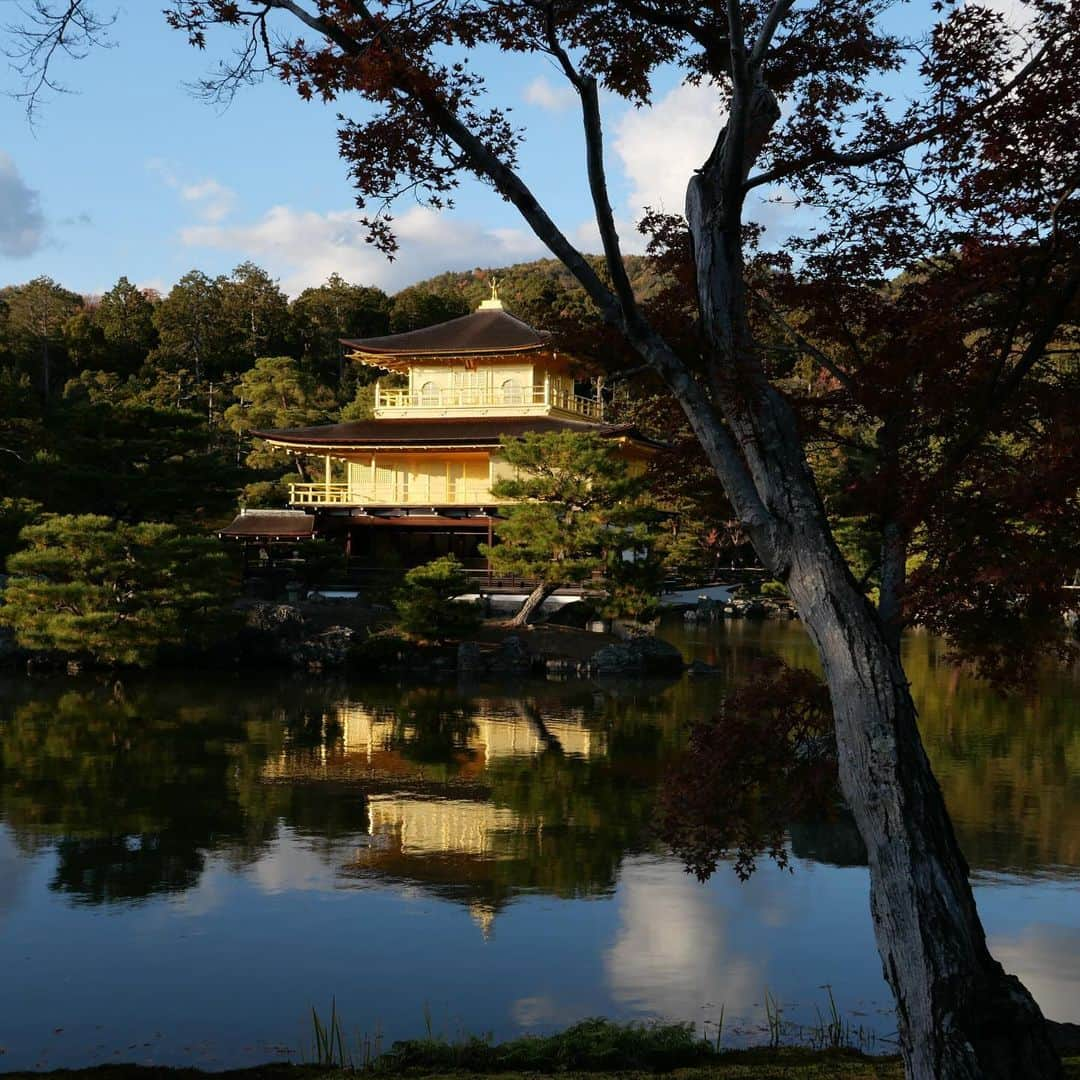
<point x="434" y="812"/>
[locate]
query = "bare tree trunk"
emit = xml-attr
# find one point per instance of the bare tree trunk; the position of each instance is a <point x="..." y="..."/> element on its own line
<point x="532" y="604"/>
<point x="959" y="1016"/>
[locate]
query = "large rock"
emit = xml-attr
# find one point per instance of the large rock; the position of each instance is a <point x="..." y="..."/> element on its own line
<point x="617" y="660"/>
<point x="470" y="658"/>
<point x="512" y="658"/>
<point x="278" y="632"/>
<point x="282" y="621"/>
<point x="328" y="649"/>
<point x="658" y="657"/>
<point x="644" y="655"/>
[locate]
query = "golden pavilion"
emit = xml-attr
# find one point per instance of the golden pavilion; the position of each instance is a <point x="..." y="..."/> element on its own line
<point x="414" y="482"/>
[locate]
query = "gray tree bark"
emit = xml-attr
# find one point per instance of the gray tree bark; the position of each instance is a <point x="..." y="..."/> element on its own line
<point x="959" y="1015"/>
<point x="533" y="602"/>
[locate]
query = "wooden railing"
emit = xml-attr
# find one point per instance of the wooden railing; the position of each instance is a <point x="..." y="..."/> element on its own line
<point x="320" y="494"/>
<point x="424" y="491"/>
<point x="480" y="398"/>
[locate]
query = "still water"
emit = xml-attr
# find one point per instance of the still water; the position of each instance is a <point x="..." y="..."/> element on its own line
<point x="187" y="866"/>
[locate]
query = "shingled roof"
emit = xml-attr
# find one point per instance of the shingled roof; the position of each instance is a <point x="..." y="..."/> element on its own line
<point x="464" y="431"/>
<point x="490" y="331"/>
<point x="270" y="525"/>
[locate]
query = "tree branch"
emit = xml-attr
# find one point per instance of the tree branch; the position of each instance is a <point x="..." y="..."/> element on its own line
<point x="807" y="346"/>
<point x="598" y="188"/>
<point x="73" y="29"/>
<point x="994" y="401"/>
<point x="829" y="156"/>
<point x="772" y="22"/>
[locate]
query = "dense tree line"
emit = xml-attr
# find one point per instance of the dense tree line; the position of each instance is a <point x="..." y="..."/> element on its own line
<point x="136" y="405"/>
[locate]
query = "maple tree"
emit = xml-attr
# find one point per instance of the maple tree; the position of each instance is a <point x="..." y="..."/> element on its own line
<point x="985" y="145"/>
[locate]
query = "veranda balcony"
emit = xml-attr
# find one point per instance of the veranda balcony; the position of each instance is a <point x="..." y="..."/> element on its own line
<point x="478" y="400"/>
<point x="419" y="491"/>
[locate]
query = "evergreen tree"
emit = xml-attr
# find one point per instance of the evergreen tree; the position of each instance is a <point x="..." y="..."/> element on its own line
<point x="578" y="513"/>
<point x="192" y="329"/>
<point x="35" y="314"/>
<point x="255" y="316"/>
<point x="336" y="310"/>
<point x="116" y="593"/>
<point x="125" y="316"/>
<point x="427" y="605"/>
<point x="83" y="340"/>
<point x="275" y="393"/>
<point x="15" y="515"/>
<point x="415" y="308"/>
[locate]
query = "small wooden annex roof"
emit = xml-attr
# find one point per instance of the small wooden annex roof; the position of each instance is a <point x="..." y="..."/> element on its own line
<point x="270" y="525"/>
<point x="488" y="332"/>
<point x="452" y="432"/>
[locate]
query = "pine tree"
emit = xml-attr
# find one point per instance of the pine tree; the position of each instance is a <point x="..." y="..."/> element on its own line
<point x="579" y="513"/>
<point x="91" y="586"/>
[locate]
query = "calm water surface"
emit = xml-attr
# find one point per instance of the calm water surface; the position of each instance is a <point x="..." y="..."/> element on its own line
<point x="187" y="866"/>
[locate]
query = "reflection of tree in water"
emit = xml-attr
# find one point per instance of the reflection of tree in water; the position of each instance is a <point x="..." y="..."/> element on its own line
<point x="593" y="810"/>
<point x="136" y="793"/>
<point x="435" y="727"/>
<point x="136" y="790"/>
<point x="1008" y="765"/>
<point x="835" y="843"/>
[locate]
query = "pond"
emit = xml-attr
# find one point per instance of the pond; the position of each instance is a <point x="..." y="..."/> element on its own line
<point x="188" y="865"/>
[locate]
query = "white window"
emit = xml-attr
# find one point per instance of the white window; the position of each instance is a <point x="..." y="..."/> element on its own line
<point x="511" y="392"/>
<point x="429" y="394"/>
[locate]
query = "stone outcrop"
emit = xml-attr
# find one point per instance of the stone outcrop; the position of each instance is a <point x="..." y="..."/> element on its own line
<point x="643" y="655"/>
<point x="279" y="633"/>
<point x="755" y="607"/>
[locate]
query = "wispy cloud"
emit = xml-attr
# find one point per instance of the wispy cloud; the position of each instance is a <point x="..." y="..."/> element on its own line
<point x="543" y="93"/>
<point x="303" y="247"/>
<point x="212" y="200"/>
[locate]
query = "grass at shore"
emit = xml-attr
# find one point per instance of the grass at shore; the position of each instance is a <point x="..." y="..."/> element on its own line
<point x="763" y="1064"/>
<point x="593" y="1049"/>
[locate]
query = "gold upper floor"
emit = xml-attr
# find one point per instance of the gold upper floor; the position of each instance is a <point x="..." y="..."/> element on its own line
<point x="526" y="387"/>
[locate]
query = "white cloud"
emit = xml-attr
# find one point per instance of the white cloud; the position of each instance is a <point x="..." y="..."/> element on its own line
<point x="546" y="95"/>
<point x="22" y="224"/>
<point x="672" y="954"/>
<point x="661" y="145"/>
<point x="214" y="201"/>
<point x="303" y="247"/>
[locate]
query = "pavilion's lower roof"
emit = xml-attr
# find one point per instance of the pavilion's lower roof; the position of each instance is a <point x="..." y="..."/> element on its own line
<point x="270" y="525"/>
<point x="461" y="432"/>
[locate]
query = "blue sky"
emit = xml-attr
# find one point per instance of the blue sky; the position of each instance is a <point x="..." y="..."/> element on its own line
<point x="131" y="174"/>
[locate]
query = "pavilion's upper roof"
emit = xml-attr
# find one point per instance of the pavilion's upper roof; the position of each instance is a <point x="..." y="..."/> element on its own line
<point x="490" y="331"/>
<point x="439" y="432"/>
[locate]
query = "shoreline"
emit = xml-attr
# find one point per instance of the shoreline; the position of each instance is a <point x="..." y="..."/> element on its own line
<point x="751" y="1064"/>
